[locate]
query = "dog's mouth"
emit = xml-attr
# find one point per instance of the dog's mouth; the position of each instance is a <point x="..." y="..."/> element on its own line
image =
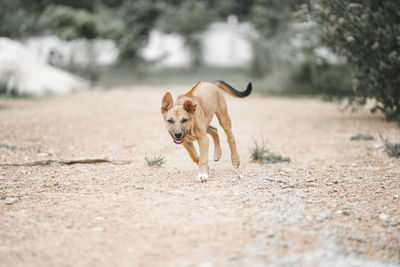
<point x="178" y="140"/>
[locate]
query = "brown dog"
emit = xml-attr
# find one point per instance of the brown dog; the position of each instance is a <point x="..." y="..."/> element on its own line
<point x="189" y="119"/>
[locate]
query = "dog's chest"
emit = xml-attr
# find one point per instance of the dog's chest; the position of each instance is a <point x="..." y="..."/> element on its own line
<point x="190" y="136"/>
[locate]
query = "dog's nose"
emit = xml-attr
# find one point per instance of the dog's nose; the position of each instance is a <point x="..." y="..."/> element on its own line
<point x="178" y="135"/>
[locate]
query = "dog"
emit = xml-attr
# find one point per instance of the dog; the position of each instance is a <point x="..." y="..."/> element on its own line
<point x="188" y="120"/>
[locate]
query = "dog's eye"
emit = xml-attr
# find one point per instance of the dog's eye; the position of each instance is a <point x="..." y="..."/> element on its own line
<point x="184" y="120"/>
<point x="170" y="121"/>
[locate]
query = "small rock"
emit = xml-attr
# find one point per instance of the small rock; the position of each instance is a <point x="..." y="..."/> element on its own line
<point x="378" y="191"/>
<point x="378" y="145"/>
<point x="309" y="201"/>
<point x="344" y="212"/>
<point x="383" y="217"/>
<point x="240" y="177"/>
<point x="139" y="187"/>
<point x="284" y="186"/>
<point x="69" y="226"/>
<point x="96" y="229"/>
<point x="270" y="234"/>
<point x="395" y="197"/>
<point x="1" y="177"/>
<point x="311" y="180"/>
<point x="387" y="221"/>
<point x="11" y="200"/>
<point x="99" y="218"/>
<point x="329" y="183"/>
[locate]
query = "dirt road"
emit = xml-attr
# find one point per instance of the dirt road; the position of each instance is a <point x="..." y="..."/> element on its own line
<point x="334" y="204"/>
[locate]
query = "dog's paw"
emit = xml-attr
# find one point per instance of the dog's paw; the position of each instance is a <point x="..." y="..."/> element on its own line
<point x="236" y="162"/>
<point x="217" y="154"/>
<point x="202" y="177"/>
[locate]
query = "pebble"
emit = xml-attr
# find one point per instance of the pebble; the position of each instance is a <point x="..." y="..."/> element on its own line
<point x="344" y="212"/>
<point x="270" y="234"/>
<point x="139" y="187"/>
<point x="395" y="197"/>
<point x="378" y="145"/>
<point x="96" y="229"/>
<point x="386" y="220"/>
<point x="11" y="200"/>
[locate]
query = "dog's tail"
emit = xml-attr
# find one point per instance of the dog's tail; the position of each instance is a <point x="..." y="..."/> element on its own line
<point x="232" y="91"/>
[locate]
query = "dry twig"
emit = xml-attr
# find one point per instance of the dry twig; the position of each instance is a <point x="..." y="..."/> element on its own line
<point x="66" y="162"/>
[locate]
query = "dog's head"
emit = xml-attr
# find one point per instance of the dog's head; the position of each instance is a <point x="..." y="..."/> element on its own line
<point x="178" y="119"/>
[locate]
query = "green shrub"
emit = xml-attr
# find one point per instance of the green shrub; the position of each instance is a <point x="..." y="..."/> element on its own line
<point x="329" y="80"/>
<point x="261" y="153"/>
<point x="155" y="161"/>
<point x="367" y="33"/>
<point x="393" y="150"/>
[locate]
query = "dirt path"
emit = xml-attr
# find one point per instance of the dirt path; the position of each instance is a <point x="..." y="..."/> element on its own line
<point x="334" y="204"/>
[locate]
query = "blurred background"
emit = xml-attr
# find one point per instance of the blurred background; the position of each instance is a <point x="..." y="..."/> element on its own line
<point x="332" y="48"/>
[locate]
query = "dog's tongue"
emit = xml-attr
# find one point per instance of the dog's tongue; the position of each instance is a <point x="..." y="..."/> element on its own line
<point x="178" y="141"/>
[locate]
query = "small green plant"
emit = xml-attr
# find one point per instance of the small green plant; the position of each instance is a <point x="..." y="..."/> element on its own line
<point x="393" y="150"/>
<point x="155" y="161"/>
<point x="362" y="137"/>
<point x="260" y="153"/>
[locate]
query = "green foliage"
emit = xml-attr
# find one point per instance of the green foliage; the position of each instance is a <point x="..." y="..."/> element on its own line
<point x="188" y="18"/>
<point x="360" y="136"/>
<point x="367" y="33"/>
<point x="15" y="20"/>
<point x="155" y="161"/>
<point x="393" y="150"/>
<point x="271" y="17"/>
<point x="260" y="153"/>
<point x="326" y="79"/>
<point x="70" y="23"/>
<point x="140" y="17"/>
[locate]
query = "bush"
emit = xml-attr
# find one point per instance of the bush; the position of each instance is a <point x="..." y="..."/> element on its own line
<point x="328" y="80"/>
<point x="392" y="149"/>
<point x="367" y="33"/>
<point x="155" y="161"/>
<point x="261" y="154"/>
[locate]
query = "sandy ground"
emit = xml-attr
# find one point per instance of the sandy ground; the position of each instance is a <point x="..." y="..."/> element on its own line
<point x="334" y="204"/>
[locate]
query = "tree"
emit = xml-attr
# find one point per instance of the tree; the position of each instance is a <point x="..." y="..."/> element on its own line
<point x="367" y="33"/>
<point x="188" y="19"/>
<point x="140" y="17"/>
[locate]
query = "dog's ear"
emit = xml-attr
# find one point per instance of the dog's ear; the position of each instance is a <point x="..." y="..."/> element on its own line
<point x="167" y="102"/>
<point x="189" y="106"/>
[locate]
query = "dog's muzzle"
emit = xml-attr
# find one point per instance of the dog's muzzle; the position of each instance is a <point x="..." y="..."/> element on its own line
<point x="178" y="137"/>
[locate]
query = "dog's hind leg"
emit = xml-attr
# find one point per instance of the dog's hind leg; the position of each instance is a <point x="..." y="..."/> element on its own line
<point x="192" y="151"/>
<point x="217" y="146"/>
<point x="225" y="121"/>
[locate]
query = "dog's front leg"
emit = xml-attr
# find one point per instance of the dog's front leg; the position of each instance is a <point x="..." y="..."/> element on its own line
<point x="203" y="163"/>
<point x="192" y="151"/>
